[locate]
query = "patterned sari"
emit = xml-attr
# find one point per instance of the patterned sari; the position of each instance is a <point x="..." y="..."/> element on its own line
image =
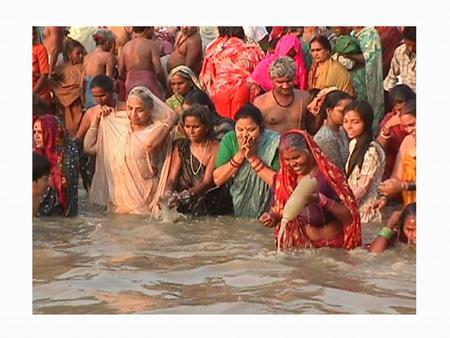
<point x="61" y="197"/>
<point x="285" y="183"/>
<point x="227" y="64"/>
<point x="368" y="80"/>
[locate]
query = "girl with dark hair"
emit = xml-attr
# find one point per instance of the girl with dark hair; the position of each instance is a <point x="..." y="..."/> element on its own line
<point x="67" y="86"/>
<point x="401" y="227"/>
<point x="190" y="185"/>
<point x="331" y="139"/>
<point x="366" y="162"/>
<point x="248" y="158"/>
<point x="330" y="217"/>
<point x="391" y="132"/>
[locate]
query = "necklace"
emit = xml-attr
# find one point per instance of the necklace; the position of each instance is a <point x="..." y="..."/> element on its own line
<point x="283" y="105"/>
<point x="195" y="172"/>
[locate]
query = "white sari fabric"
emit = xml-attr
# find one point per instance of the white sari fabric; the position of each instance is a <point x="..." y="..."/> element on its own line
<point x="127" y="178"/>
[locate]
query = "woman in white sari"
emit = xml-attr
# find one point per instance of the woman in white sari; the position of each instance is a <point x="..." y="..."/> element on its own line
<point x="133" y="149"/>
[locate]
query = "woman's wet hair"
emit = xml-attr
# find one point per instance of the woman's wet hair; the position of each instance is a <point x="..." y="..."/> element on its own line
<point x="144" y="94"/>
<point x="201" y="112"/>
<point x="331" y="100"/>
<point x="102" y="36"/>
<point x="199" y="96"/>
<point x="293" y="141"/>
<point x="324" y="42"/>
<point x="41" y="166"/>
<point x="249" y="111"/>
<point x="365" y="111"/>
<point x="401" y="93"/>
<point x="409" y="108"/>
<point x="283" y="67"/>
<point x="104" y="82"/>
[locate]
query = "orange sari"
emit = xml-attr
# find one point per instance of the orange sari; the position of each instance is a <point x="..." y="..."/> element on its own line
<point x="409" y="174"/>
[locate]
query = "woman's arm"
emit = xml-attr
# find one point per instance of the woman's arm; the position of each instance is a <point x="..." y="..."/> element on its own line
<point x="261" y="169"/>
<point x="225" y="172"/>
<point x="384" y="236"/>
<point x="175" y="168"/>
<point x="339" y="210"/>
<point x="159" y="136"/>
<point x="90" y="138"/>
<point x="369" y="167"/>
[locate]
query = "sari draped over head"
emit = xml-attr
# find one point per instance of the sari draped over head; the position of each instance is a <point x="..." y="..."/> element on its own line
<point x="175" y="101"/>
<point x="251" y="195"/>
<point x="227" y="63"/>
<point x="368" y="80"/>
<point x="127" y="178"/>
<point x="261" y="74"/>
<point x="286" y="182"/>
<point x="61" y="197"/>
<point x="330" y="74"/>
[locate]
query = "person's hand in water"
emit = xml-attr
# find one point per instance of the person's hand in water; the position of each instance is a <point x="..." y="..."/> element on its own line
<point x="268" y="219"/>
<point x="169" y="198"/>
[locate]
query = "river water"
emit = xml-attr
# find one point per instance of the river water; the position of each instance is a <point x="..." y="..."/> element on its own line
<point x="102" y="264"/>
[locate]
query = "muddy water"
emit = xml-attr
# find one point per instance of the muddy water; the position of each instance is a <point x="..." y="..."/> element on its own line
<point x="99" y="263"/>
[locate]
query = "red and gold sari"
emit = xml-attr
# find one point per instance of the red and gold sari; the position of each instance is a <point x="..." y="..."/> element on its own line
<point x="285" y="183"/>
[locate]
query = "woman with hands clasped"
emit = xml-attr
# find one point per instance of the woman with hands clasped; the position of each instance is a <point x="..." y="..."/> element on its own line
<point x="248" y="159"/>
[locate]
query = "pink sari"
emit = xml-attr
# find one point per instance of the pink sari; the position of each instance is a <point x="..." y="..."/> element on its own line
<point x="261" y="74"/>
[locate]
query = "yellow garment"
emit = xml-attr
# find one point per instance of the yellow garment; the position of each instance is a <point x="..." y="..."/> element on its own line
<point x="331" y="73"/>
<point x="409" y="174"/>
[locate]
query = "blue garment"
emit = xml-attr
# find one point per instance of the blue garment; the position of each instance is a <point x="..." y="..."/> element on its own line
<point x="89" y="99"/>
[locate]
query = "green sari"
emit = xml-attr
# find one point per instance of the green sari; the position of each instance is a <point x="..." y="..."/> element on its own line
<point x="251" y="195"/>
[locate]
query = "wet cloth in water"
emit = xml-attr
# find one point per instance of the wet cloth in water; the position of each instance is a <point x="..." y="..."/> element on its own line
<point x="329" y="176"/>
<point x="217" y="201"/>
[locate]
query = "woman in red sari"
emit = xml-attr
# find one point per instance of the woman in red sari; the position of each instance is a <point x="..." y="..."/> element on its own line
<point x="331" y="217"/>
<point x="228" y="62"/>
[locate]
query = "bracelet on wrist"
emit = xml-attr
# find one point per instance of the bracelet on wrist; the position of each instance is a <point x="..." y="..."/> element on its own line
<point x="384" y="135"/>
<point x="234" y="164"/>
<point x="386" y="233"/>
<point x="259" y="167"/>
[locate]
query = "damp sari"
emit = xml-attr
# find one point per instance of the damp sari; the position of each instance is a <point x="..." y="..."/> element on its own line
<point x="286" y="182"/>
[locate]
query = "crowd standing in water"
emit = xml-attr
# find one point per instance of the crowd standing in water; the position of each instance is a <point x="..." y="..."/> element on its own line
<point x="230" y="121"/>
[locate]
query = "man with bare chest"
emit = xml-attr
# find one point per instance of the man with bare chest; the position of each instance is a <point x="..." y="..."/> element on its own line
<point x="140" y="64"/>
<point x="284" y="107"/>
<point x="188" y="50"/>
<point x="53" y="42"/>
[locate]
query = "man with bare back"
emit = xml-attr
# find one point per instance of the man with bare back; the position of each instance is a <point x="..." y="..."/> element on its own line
<point x="188" y="50"/>
<point x="140" y="64"/>
<point x="123" y="35"/>
<point x="284" y="107"/>
<point x="101" y="61"/>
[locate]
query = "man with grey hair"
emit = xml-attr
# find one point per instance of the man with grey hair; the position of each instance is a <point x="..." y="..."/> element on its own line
<point x="284" y="107"/>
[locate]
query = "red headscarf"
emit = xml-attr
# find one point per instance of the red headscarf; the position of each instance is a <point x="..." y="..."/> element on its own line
<point x="286" y="181"/>
<point x="54" y="141"/>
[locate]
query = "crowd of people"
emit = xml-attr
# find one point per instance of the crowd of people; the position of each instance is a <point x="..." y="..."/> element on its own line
<point x="230" y="121"/>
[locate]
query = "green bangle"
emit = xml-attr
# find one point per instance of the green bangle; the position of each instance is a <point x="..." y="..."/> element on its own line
<point x="386" y="233"/>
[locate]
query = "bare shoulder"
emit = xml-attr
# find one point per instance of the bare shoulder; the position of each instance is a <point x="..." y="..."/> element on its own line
<point x="262" y="99"/>
<point x="302" y="94"/>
